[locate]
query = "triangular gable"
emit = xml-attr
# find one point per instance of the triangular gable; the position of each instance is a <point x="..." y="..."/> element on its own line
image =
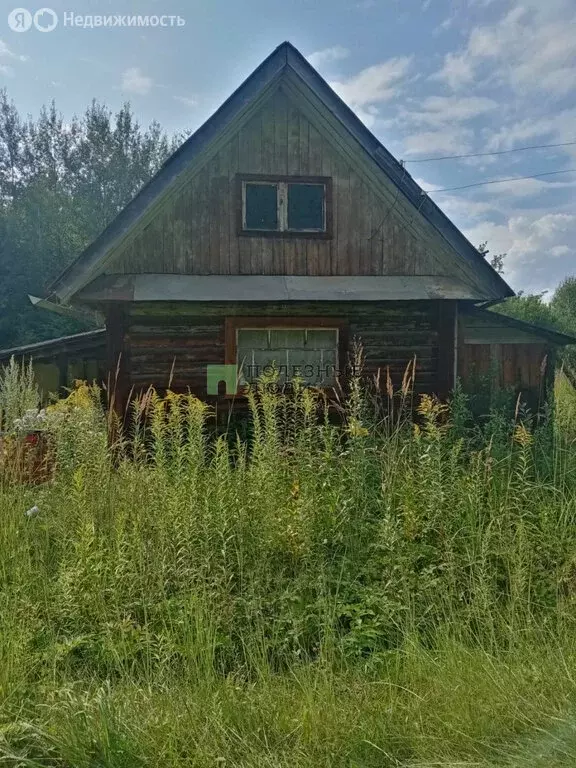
<point x="285" y="64"/>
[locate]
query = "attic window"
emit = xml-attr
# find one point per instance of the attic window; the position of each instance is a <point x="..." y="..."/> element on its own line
<point x="288" y="206"/>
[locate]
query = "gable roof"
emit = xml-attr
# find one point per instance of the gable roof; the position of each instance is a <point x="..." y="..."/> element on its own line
<point x="286" y="56"/>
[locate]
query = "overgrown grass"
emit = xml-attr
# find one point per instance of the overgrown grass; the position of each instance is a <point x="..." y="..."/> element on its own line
<point x="373" y="595"/>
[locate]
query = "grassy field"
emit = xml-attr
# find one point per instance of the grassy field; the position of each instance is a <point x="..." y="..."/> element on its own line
<point x="386" y="595"/>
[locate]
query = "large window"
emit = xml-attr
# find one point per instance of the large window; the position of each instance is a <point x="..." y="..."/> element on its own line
<point x="285" y="206"/>
<point x="308" y="350"/>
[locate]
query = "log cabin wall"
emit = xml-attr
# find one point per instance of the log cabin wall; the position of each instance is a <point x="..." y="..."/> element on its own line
<point x="172" y="344"/>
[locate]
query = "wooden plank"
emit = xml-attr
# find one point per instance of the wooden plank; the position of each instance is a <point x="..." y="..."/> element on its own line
<point x="233" y="202"/>
<point x="267" y="166"/>
<point x="342" y="207"/>
<point x="355" y="225"/>
<point x="446" y="339"/>
<point x="280" y="166"/>
<point x="293" y="140"/>
<point x="244" y="243"/>
<point x="223" y="203"/>
<point x="321" y="157"/>
<point x="202" y="200"/>
<point x="280" y="132"/>
<point x="254" y="159"/>
<point x="294" y="249"/>
<point x="213" y="169"/>
<point x="304" y="146"/>
<point x="396" y="254"/>
<point x="268" y="128"/>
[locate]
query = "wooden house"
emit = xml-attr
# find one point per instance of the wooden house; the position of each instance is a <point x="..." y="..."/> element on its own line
<point x="280" y="231"/>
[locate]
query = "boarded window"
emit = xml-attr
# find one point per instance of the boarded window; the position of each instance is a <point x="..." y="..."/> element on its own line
<point x="261" y="206"/>
<point x="310" y="354"/>
<point x="306" y="206"/>
<point x="285" y="206"/>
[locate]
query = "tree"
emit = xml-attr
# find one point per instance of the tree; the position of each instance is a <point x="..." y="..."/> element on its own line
<point x="563" y="304"/>
<point x="496" y="261"/>
<point x="61" y="183"/>
<point x="531" y="308"/>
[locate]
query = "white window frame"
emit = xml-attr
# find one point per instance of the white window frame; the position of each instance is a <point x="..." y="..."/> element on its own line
<point x="306" y="328"/>
<point x="282" y="204"/>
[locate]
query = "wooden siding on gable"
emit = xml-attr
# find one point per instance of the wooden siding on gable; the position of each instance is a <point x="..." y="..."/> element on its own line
<point x="194" y="231"/>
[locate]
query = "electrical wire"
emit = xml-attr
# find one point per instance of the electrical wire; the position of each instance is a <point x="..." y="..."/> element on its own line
<point x="498" y="181"/>
<point x="489" y="154"/>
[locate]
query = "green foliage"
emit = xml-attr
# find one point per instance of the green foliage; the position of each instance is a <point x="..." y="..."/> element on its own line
<point x="61" y="183"/>
<point x="319" y="596"/>
<point x="19" y="393"/>
<point x="531" y="308"/>
<point x="563" y="303"/>
<point x="496" y="261"/>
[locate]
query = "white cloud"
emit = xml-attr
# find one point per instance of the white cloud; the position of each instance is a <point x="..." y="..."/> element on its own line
<point x="442" y="110"/>
<point x="188" y="101"/>
<point x="328" y="55"/>
<point x="448" y="141"/>
<point x="7" y="53"/>
<point x="560" y="250"/>
<point x="457" y="72"/>
<point x="374" y="84"/>
<point x="134" y="81"/>
<point x="441" y="123"/>
<point x="541" y="248"/>
<point x="531" y="48"/>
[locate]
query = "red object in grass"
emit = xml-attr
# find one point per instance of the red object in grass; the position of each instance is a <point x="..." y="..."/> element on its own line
<point x="32" y="438"/>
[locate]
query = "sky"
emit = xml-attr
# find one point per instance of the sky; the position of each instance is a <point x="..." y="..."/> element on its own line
<point x="429" y="77"/>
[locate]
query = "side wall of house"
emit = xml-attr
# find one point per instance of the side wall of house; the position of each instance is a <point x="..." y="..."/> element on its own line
<point x="170" y="345"/>
<point x="508" y="358"/>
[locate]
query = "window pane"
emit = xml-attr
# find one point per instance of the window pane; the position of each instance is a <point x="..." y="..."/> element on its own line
<point x="310" y="355"/>
<point x="306" y="206"/>
<point x="261" y="206"/>
<point x="254" y="338"/>
<point x="289" y="338"/>
<point x="321" y="338"/>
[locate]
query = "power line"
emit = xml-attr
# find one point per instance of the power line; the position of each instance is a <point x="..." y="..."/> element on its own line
<point x="488" y="154"/>
<point x="498" y="181"/>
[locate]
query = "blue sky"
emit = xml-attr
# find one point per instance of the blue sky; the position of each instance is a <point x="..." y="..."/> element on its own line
<point x="429" y="77"/>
